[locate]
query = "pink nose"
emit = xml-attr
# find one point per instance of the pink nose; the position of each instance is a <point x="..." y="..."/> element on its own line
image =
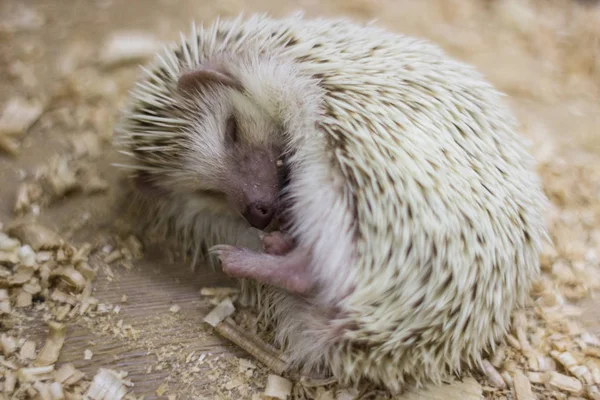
<point x="259" y="215"/>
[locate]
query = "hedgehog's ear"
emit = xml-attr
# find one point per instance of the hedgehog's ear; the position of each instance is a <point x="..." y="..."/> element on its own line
<point x="192" y="81"/>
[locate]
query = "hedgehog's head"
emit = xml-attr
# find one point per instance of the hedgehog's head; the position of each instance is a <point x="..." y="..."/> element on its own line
<point x="239" y="113"/>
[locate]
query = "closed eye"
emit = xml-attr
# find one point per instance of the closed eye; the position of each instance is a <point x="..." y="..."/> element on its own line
<point x="215" y="194"/>
<point x="231" y="130"/>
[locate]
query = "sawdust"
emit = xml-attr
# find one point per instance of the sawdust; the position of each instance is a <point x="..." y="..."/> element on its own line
<point x="59" y="277"/>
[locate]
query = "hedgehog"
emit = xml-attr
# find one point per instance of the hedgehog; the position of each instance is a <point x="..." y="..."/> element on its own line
<point x="371" y="193"/>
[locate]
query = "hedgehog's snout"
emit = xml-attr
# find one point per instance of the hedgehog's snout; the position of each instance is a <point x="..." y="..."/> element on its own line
<point x="253" y="184"/>
<point x="259" y="214"/>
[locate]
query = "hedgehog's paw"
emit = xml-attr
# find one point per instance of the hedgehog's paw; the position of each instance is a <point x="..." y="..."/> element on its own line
<point x="289" y="272"/>
<point x="277" y="243"/>
<point x="233" y="259"/>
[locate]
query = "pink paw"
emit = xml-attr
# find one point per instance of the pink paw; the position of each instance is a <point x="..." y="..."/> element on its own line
<point x="232" y="258"/>
<point x="278" y="243"/>
<point x="288" y="272"/>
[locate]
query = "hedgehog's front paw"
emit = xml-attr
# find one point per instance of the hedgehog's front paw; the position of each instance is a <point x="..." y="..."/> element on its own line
<point x="289" y="272"/>
<point x="278" y="243"/>
<point x="231" y="258"/>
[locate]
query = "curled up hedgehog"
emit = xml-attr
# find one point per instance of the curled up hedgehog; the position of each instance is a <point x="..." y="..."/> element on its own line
<point x="370" y="192"/>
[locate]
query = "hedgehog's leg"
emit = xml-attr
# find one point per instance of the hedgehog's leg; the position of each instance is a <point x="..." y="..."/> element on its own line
<point x="278" y="243"/>
<point x="289" y="272"/>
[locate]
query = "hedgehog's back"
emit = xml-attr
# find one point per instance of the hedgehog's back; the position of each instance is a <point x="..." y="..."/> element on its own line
<point x="447" y="202"/>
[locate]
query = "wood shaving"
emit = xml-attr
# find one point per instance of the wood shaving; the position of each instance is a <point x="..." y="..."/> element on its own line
<point x="493" y="375"/>
<point x="56" y="391"/>
<point x="522" y="387"/>
<point x="10" y="381"/>
<point x="60" y="176"/>
<point x="107" y="385"/>
<point x="54" y="342"/>
<point x="16" y="118"/>
<point x="68" y="375"/>
<point x="35" y="235"/>
<point x="8" y="343"/>
<point x="27" y="351"/>
<point x="219" y="291"/>
<point x="219" y="313"/>
<point x="162" y="389"/>
<point x="278" y="387"/>
<point x="126" y="47"/>
<point x="113" y="256"/>
<point x="23" y="19"/>
<point x="71" y="277"/>
<point x="23" y="299"/>
<point x="33" y="374"/>
<point x="563" y="382"/>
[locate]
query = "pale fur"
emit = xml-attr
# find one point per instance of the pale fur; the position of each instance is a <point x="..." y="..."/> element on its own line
<point x="410" y="185"/>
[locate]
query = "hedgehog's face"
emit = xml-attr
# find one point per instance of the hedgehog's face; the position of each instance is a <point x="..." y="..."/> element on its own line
<point x="230" y="159"/>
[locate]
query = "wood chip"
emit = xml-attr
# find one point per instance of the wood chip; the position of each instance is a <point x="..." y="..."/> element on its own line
<point x="113" y="256"/>
<point x="219" y="313"/>
<point x="10" y="381"/>
<point x="54" y="342"/>
<point x="218" y="291"/>
<point x="87" y="271"/>
<point x="347" y="394"/>
<point x="24" y="299"/>
<point x="521" y="387"/>
<point x="107" y="385"/>
<point x="5" y="307"/>
<point x="8" y="343"/>
<point x="61" y="297"/>
<point x="564" y="382"/>
<point x="513" y="342"/>
<point x="18" y="116"/>
<point x="520" y="325"/>
<point x="65" y="372"/>
<point x="33" y="374"/>
<point x="35" y="235"/>
<point x="27" y="351"/>
<point x="536" y="377"/>
<point x="87" y="354"/>
<point x="278" y="387"/>
<point x="128" y="46"/>
<point x="493" y="375"/>
<point x="22" y="275"/>
<point x="27" y="256"/>
<point x="499" y="357"/>
<point x="162" y="389"/>
<point x="56" y="391"/>
<point x="68" y="375"/>
<point x="8" y="244"/>
<point x="43" y="390"/>
<point x="71" y="277"/>
<point x="590" y="339"/>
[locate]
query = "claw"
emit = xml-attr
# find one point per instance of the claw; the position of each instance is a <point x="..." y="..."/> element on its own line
<point x="221" y="248"/>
